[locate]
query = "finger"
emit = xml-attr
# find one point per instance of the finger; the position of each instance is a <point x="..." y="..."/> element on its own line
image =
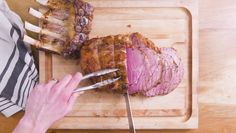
<point x="72" y="101"/>
<point x="49" y="85"/>
<point x="35" y="91"/>
<point x="74" y="82"/>
<point x="38" y="89"/>
<point x="57" y="88"/>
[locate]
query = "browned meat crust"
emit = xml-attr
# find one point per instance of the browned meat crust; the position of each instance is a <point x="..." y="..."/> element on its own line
<point x="106" y="52"/>
<point x="143" y="67"/>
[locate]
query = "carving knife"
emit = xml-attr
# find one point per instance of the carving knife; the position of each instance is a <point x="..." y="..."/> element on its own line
<point x="129" y="113"/>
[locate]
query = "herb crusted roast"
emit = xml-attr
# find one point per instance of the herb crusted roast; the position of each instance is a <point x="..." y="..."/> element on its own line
<point x="143" y="67"/>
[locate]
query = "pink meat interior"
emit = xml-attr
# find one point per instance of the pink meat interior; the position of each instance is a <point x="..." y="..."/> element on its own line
<point x="152" y="73"/>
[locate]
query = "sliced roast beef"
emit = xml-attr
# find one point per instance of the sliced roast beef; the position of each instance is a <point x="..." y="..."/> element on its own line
<point x="171" y="75"/>
<point x="144" y="68"/>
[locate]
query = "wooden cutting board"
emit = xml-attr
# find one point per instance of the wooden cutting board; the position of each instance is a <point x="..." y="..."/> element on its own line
<point x="168" y="23"/>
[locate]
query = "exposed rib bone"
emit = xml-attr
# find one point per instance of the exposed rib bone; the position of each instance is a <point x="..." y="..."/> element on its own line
<point x="31" y="41"/>
<point x="42" y="2"/>
<point x="40" y="15"/>
<point x="39" y="30"/>
<point x="38" y="44"/>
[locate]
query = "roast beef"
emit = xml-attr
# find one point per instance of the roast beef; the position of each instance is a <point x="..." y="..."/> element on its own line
<point x="144" y="64"/>
<point x="103" y="53"/>
<point x="143" y="67"/>
<point x="171" y="75"/>
<point x="77" y="17"/>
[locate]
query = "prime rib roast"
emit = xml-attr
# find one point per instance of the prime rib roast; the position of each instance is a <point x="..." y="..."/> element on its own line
<point x="76" y="16"/>
<point x="143" y="67"/>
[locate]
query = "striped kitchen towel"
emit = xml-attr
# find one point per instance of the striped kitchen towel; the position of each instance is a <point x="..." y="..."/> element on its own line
<point x="18" y="74"/>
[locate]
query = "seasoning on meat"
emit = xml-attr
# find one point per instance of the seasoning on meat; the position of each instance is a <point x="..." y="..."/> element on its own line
<point x="143" y="67"/>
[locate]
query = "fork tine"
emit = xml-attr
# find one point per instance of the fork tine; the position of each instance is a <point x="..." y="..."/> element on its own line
<point x="39" y="30"/>
<point x="40" y="15"/>
<point x="97" y="85"/>
<point x="99" y="73"/>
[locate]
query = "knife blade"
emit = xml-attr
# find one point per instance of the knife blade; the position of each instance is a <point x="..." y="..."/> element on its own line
<point x="129" y="113"/>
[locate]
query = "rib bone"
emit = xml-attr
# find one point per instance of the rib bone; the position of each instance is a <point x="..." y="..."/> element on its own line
<point x="40" y="15"/>
<point x="42" y="2"/>
<point x="39" y="30"/>
<point x="38" y="44"/>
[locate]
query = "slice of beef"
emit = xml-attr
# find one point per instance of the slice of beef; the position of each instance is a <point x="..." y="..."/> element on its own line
<point x="172" y="73"/>
<point x="89" y="60"/>
<point x="143" y="67"/>
<point x="120" y="58"/>
<point x="106" y="57"/>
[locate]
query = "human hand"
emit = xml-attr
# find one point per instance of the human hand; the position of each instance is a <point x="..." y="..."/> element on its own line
<point x="48" y="103"/>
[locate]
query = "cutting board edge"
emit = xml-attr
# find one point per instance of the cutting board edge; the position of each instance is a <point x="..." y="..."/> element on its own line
<point x="192" y="120"/>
